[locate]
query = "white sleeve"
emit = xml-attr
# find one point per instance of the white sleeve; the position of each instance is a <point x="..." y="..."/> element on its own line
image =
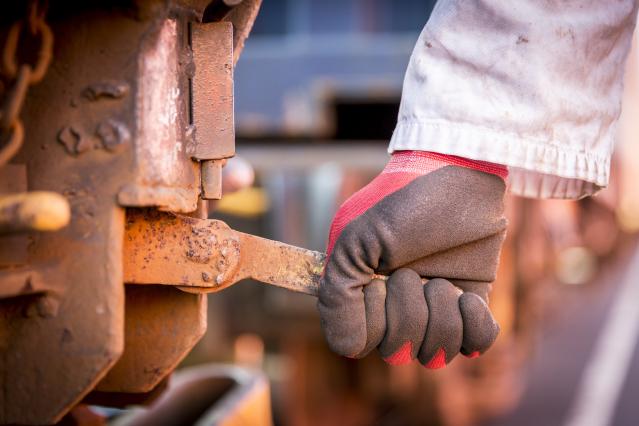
<point x="532" y="84"/>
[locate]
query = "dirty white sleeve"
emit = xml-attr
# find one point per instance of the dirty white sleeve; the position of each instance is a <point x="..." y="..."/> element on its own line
<point x="535" y="85"/>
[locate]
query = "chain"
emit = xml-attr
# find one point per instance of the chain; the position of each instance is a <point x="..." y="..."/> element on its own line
<point x="15" y="98"/>
<point x="13" y="144"/>
<point x="22" y="75"/>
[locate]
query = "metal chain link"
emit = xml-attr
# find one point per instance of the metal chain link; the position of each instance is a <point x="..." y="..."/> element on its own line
<point x="15" y="98"/>
<point x="13" y="144"/>
<point x="21" y="76"/>
<point x="9" y="59"/>
<point x="37" y="12"/>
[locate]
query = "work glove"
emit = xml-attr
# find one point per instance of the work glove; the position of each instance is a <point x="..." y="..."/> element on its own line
<point x="426" y="215"/>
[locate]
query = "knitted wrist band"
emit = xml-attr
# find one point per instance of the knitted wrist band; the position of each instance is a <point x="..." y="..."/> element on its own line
<point x="422" y="162"/>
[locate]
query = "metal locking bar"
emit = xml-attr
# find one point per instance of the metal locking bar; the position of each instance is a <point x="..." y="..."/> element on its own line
<point x="205" y="256"/>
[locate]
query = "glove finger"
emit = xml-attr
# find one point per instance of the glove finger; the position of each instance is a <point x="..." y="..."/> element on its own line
<point x="406" y="317"/>
<point x="480" y="328"/>
<point x="341" y="294"/>
<point x="374" y="301"/>
<point x="444" y="333"/>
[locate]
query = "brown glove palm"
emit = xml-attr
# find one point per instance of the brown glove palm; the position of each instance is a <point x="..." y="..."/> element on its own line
<point x="422" y="217"/>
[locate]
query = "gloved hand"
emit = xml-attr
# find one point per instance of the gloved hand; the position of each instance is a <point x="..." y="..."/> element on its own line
<point x="426" y="215"/>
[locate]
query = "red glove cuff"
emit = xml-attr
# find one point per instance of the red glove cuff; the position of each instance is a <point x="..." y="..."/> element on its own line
<point x="422" y="162"/>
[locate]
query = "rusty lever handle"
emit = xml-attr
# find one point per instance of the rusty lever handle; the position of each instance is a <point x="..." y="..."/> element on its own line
<point x="204" y="255"/>
<point x="283" y="265"/>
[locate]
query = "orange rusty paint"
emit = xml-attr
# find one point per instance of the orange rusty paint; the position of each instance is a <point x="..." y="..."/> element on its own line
<point x="162" y="324"/>
<point x="164" y="248"/>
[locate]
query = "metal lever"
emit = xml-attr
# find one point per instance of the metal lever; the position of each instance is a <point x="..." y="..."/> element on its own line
<point x="204" y="256"/>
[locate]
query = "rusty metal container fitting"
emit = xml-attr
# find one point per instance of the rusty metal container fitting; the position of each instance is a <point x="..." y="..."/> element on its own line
<point x="112" y="124"/>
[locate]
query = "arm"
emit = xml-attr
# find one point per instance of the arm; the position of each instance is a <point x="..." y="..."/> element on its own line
<point x="529" y="88"/>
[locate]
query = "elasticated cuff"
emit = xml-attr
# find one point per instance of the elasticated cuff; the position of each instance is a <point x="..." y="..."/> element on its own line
<point x="537" y="169"/>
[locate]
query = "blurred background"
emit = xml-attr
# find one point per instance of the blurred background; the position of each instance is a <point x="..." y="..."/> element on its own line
<point x="317" y="94"/>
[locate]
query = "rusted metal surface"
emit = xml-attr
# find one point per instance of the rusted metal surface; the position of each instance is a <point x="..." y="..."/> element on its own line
<point x="212" y="179"/>
<point x="166" y="248"/>
<point x="213" y="90"/>
<point x="13" y="247"/>
<point x="60" y="355"/>
<point x="22" y="282"/>
<point x="162" y="324"/>
<point x="107" y="126"/>
<point x="165" y="175"/>
<point x="90" y="131"/>
<point x="203" y="255"/>
<point x="13" y="178"/>
<point x="165" y="139"/>
<point x="276" y="263"/>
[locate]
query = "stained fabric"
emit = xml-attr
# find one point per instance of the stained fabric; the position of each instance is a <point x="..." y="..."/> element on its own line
<point x="534" y="85"/>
